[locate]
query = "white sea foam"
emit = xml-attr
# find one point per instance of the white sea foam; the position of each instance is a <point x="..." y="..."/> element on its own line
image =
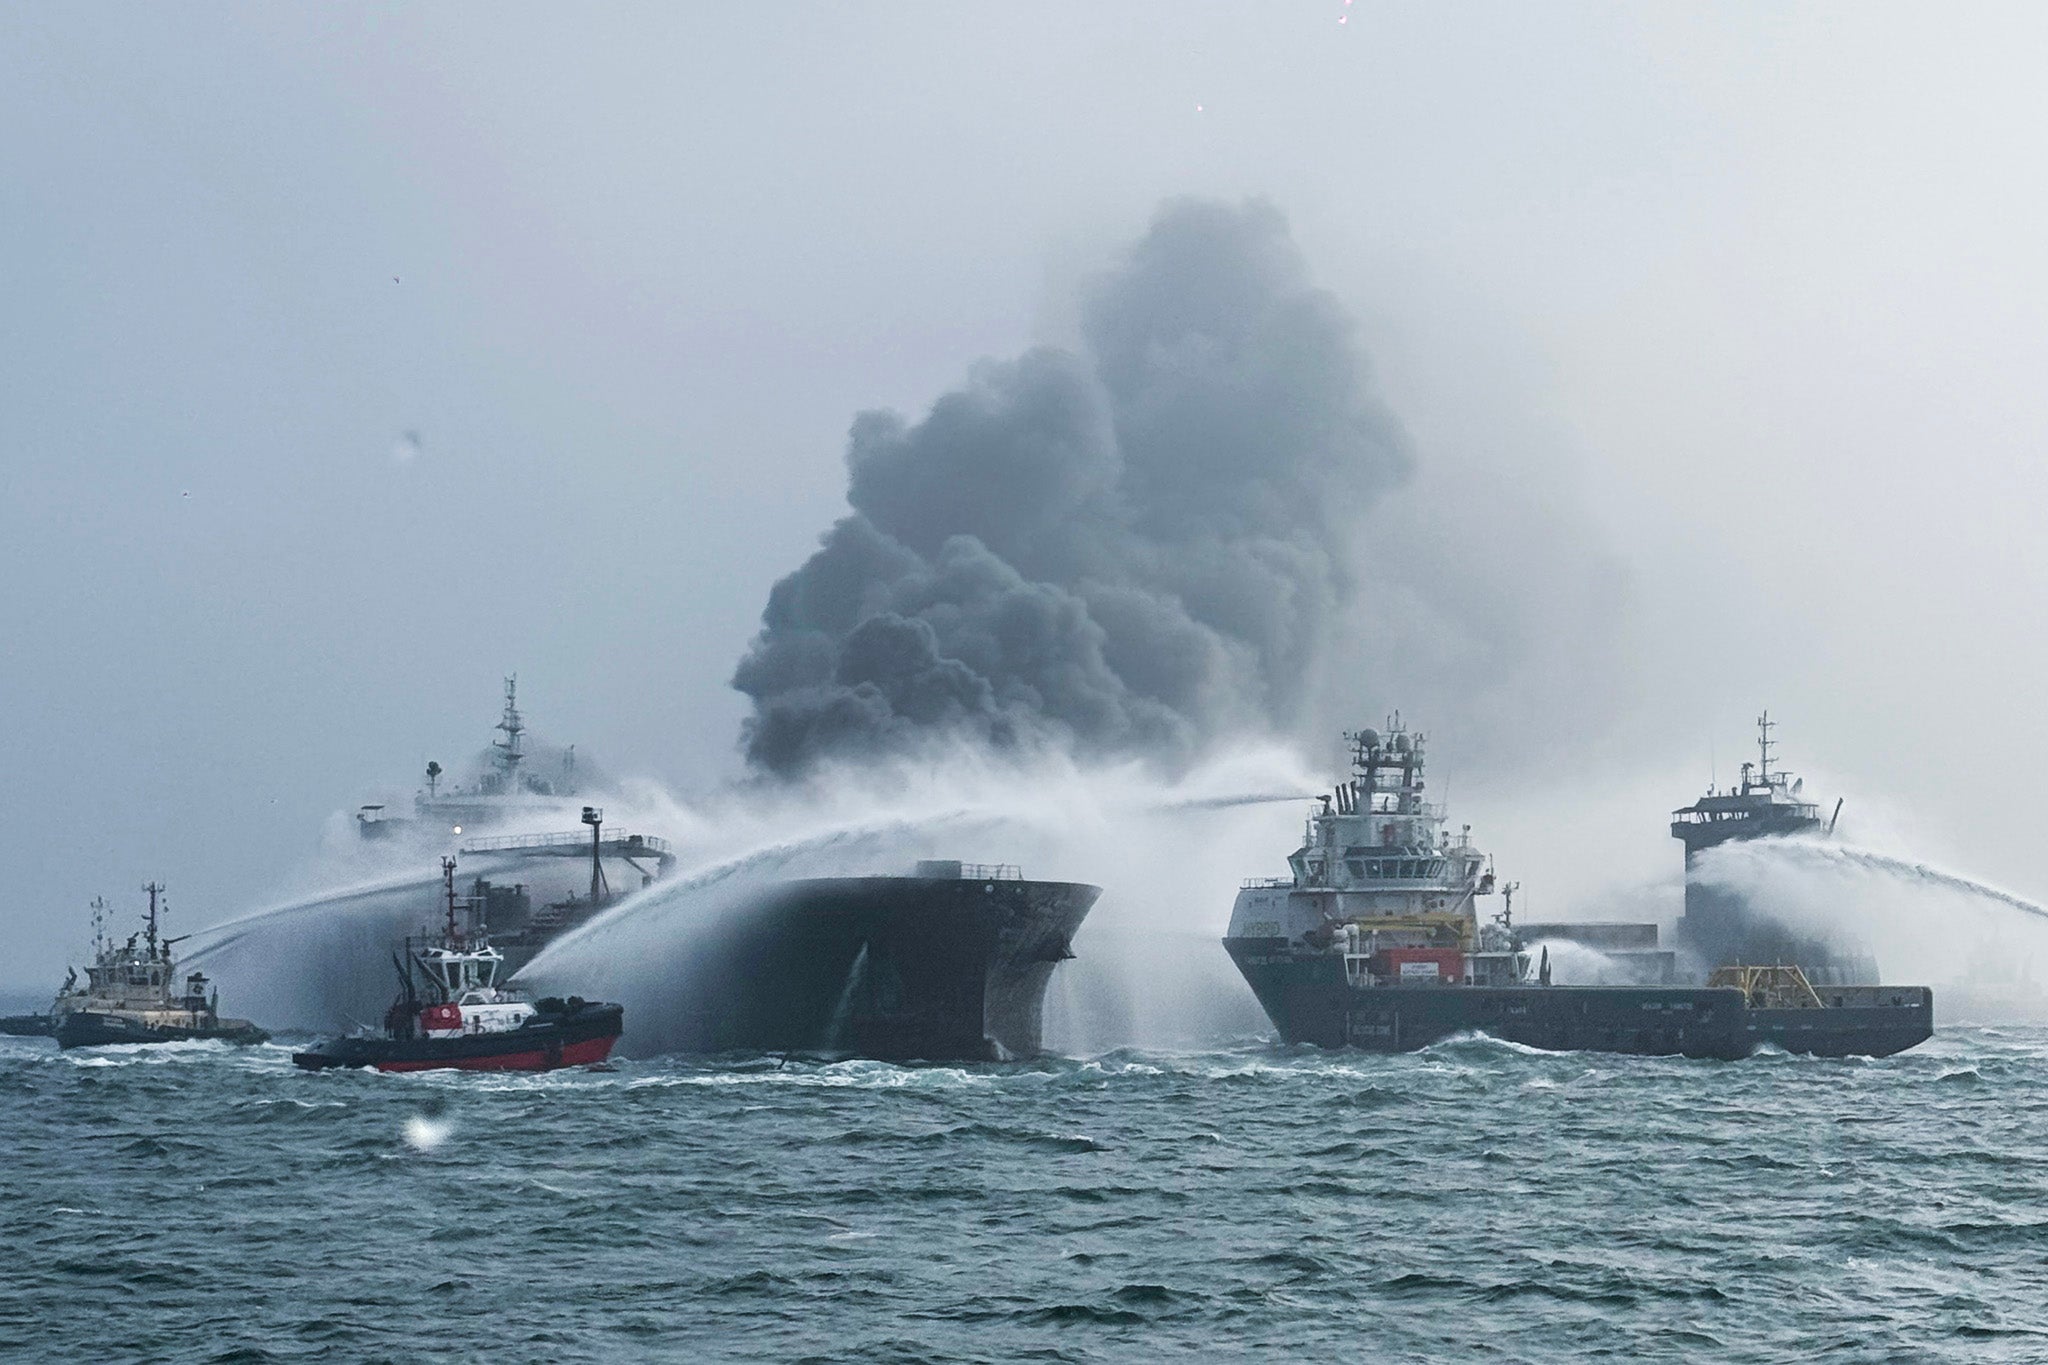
<point x="424" y="1134"/>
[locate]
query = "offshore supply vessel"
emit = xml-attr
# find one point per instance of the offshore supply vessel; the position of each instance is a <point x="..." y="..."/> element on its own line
<point x="451" y="1013"/>
<point x="132" y="994"/>
<point x="1374" y="940"/>
<point x="1720" y="924"/>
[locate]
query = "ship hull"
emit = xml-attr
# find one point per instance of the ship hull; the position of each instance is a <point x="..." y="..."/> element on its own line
<point x="29" y="1025"/>
<point x="1310" y="1001"/>
<point x="581" y="1039"/>
<point x="891" y="968"/>
<point x="93" y="1028"/>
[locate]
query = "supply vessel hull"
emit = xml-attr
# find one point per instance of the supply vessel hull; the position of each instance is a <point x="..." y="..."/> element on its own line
<point x="1312" y="1002"/>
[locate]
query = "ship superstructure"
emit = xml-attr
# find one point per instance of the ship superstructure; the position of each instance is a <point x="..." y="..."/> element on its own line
<point x="1722" y="925"/>
<point x="1378" y="873"/>
<point x="1376" y="941"/>
<point x="508" y="790"/>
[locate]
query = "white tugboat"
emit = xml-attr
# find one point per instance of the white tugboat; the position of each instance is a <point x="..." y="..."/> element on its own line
<point x="131" y="994"/>
<point x="451" y="1013"/>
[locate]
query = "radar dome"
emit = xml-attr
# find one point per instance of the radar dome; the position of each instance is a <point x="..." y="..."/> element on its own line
<point x="1400" y="744"/>
<point x="1369" y="738"/>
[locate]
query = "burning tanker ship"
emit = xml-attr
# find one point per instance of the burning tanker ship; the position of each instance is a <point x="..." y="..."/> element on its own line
<point x="949" y="962"/>
<point x="1375" y="941"/>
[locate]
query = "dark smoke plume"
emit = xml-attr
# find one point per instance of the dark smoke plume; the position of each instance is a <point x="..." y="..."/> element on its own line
<point x="1127" y="551"/>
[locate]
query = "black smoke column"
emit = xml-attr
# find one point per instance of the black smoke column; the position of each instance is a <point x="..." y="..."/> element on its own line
<point x="1129" y="551"/>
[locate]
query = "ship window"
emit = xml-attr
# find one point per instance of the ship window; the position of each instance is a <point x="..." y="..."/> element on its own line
<point x="1357" y="869"/>
<point x="1408" y="868"/>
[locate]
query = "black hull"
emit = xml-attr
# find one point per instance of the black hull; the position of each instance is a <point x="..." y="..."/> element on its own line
<point x="577" y="1039"/>
<point x="1310" y="1001"/>
<point x="29" y="1025"/>
<point x="891" y="968"/>
<point x="87" y="1028"/>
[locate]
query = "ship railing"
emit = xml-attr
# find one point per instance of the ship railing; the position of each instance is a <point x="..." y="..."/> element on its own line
<point x="991" y="872"/>
<point x="568" y="838"/>
<point x="1264" y="883"/>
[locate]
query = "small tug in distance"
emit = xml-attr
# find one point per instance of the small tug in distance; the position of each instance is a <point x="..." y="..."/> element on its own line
<point x="132" y="994"/>
<point x="452" y="1014"/>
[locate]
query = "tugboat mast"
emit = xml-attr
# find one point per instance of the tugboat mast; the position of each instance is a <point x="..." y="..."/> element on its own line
<point x="448" y="890"/>
<point x="154" y="890"/>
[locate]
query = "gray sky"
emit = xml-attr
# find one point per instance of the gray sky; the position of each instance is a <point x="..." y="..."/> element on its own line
<point x="1717" y="331"/>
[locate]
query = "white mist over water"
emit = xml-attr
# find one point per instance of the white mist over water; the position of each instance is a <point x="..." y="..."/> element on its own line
<point x="1576" y="964"/>
<point x="1149" y="969"/>
<point x="1982" y="948"/>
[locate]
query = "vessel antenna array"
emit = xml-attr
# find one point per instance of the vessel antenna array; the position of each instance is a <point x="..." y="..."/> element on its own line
<point x="508" y="749"/>
<point x="154" y="890"/>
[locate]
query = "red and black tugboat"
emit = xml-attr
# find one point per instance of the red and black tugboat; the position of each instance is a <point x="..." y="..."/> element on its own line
<point x="451" y="1013"/>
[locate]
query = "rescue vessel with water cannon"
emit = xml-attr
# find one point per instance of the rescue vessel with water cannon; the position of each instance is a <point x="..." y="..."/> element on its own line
<point x="1724" y="924"/>
<point x="451" y="1013"/>
<point x="132" y="993"/>
<point x="1375" y="941"/>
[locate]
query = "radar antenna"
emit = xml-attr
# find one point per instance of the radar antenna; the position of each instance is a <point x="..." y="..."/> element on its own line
<point x="1764" y="726"/>
<point x="1506" y="918"/>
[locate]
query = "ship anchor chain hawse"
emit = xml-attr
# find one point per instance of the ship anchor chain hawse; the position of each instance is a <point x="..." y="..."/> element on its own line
<point x="1374" y="939"/>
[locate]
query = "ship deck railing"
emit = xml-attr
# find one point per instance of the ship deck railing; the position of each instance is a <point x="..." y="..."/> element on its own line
<point x="991" y="872"/>
<point x="627" y="843"/>
<point x="1264" y="883"/>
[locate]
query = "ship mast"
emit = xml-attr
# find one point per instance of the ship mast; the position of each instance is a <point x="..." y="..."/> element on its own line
<point x="599" y="892"/>
<point x="149" y="920"/>
<point x="448" y="889"/>
<point x="509" y="752"/>
<point x="1764" y="726"/>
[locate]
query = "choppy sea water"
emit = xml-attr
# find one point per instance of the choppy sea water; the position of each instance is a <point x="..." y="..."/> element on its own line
<point x="202" y="1203"/>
